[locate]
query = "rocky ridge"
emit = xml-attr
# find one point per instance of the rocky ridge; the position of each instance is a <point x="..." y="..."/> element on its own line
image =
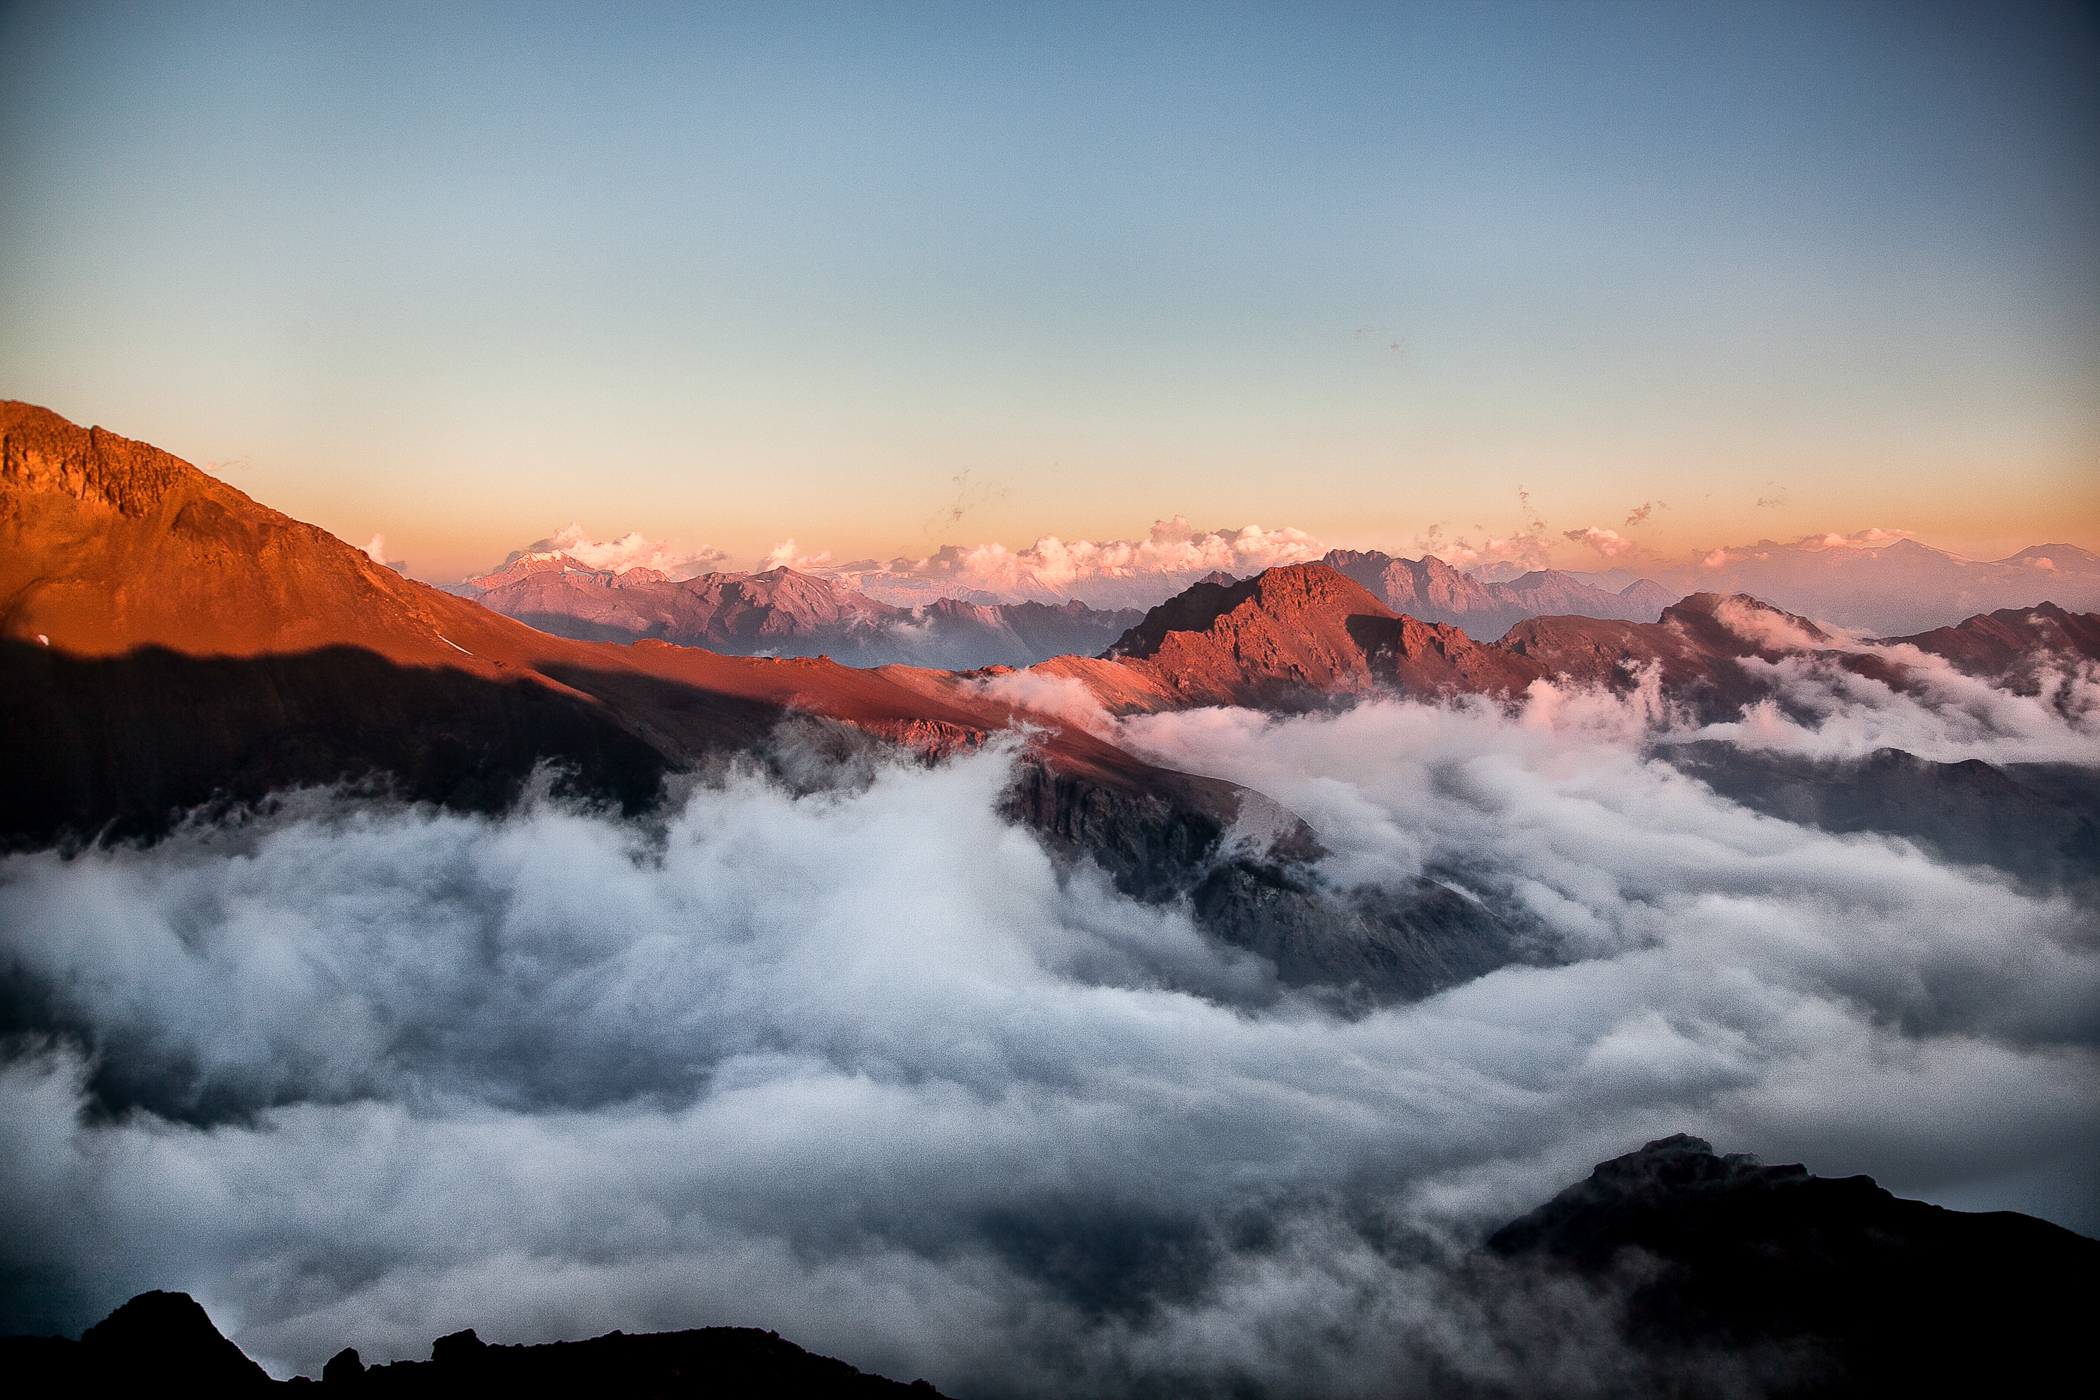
<point x="1787" y="1283"/>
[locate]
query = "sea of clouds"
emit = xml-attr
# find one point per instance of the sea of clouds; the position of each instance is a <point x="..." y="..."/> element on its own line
<point x="859" y="1063"/>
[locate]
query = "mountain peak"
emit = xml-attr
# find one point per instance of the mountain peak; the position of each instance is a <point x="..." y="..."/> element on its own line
<point x="1294" y="589"/>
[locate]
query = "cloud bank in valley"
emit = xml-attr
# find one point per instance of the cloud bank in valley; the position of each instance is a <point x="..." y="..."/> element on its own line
<point x="862" y="1065"/>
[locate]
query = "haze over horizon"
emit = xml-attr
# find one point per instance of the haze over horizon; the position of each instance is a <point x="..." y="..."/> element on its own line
<point x="888" y="280"/>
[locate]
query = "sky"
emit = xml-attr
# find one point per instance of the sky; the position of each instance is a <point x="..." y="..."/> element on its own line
<point x="886" y="277"/>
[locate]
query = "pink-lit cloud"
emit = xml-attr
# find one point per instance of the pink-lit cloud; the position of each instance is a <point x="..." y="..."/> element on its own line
<point x="1609" y="543"/>
<point x="633" y="550"/>
<point x="1858" y="539"/>
<point x="786" y="555"/>
<point x="1116" y="573"/>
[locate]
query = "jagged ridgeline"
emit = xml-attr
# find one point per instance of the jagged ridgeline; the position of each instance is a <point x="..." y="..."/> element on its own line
<point x="1809" y="1286"/>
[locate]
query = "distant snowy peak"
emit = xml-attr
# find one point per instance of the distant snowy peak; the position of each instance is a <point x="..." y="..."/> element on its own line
<point x="2055" y="559"/>
<point x="1893" y="585"/>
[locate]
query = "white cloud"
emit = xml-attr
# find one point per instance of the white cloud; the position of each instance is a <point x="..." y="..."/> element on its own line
<point x="1608" y="543"/>
<point x="1871" y="538"/>
<point x="860" y="1065"/>
<point x="1109" y="573"/>
<point x="633" y="550"/>
<point x="785" y="556"/>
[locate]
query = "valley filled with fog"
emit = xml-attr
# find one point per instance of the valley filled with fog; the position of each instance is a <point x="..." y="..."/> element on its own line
<point x="836" y="1049"/>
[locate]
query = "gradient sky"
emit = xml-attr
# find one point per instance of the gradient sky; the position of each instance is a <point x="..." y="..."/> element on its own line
<point x="462" y="274"/>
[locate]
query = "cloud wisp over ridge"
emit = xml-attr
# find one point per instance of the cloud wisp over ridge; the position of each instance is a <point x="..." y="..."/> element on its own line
<point x="863" y="1065"/>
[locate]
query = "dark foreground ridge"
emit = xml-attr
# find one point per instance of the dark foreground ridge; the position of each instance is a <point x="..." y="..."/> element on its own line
<point x="162" y="1343"/>
<point x="1828" y="1286"/>
<point x="1803" y="1286"/>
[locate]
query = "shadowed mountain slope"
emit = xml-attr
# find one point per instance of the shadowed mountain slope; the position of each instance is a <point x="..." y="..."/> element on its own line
<point x="167" y="643"/>
<point x="2013" y="646"/>
<point x="1836" y="1287"/>
<point x="1806" y="1286"/>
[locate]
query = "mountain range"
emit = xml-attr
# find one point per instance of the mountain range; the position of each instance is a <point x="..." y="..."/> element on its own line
<point x="168" y="645"/>
<point x="1876" y="585"/>
<point x="1812" y="1286"/>
<point x="169" y="642"/>
<point x="1433" y="591"/>
<point x="1881" y="584"/>
<point x="782" y="612"/>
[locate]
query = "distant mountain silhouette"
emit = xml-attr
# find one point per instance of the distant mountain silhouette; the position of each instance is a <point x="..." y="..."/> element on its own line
<point x="785" y="613"/>
<point x="162" y="1344"/>
<point x="1810" y="1286"/>
<point x="1433" y="591"/>
<point x="1893" y="585"/>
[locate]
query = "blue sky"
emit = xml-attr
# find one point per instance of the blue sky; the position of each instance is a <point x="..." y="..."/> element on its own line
<point x="731" y="273"/>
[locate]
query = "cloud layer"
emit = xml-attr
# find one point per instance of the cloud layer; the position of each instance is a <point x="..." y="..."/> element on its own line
<point x="633" y="550"/>
<point x="861" y="1065"/>
<point x="1104" y="574"/>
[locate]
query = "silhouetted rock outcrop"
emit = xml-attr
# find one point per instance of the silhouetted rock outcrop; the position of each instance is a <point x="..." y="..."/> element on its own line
<point x="163" y="1344"/>
<point x="1843" y="1287"/>
<point x="158" y="1343"/>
